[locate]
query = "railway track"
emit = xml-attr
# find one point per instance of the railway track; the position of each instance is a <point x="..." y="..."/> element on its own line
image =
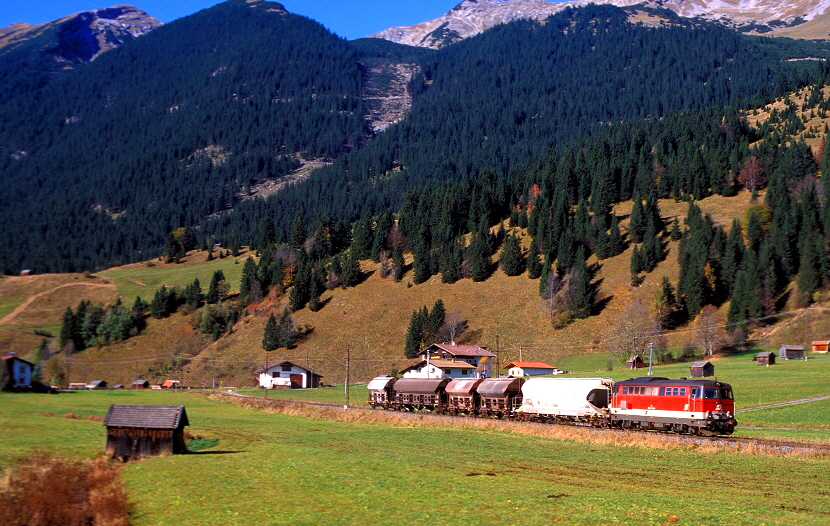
<point x="782" y="447"/>
<point x="782" y="404"/>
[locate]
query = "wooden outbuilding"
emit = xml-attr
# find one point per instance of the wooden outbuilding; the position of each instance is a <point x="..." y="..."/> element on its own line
<point x="137" y="431"/>
<point x="141" y="384"/>
<point x="791" y="352"/>
<point x="97" y="384"/>
<point x="821" y="346"/>
<point x="701" y="370"/>
<point x="765" y="358"/>
<point x="170" y="384"/>
<point x="635" y="362"/>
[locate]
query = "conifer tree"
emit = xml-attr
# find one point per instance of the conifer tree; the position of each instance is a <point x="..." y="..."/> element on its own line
<point x="398" y="262"/>
<point x="217" y="289"/>
<point x="664" y="304"/>
<point x="580" y="292"/>
<point x="315" y="291"/>
<point x="638" y="221"/>
<point x="636" y="262"/>
<point x="675" y="234"/>
<point x="286" y="330"/>
<point x="362" y="238"/>
<point x="512" y="261"/>
<point x="350" y="276"/>
<point x="435" y="321"/>
<point x="271" y="335"/>
<point x="809" y="269"/>
<point x="414" y="334"/>
<point x="421" y="264"/>
<point x="249" y="277"/>
<point x="534" y="262"/>
<point x="451" y="264"/>
<point x="298" y="234"/>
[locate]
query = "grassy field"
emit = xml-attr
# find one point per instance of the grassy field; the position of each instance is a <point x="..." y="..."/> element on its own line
<point x="282" y="469"/>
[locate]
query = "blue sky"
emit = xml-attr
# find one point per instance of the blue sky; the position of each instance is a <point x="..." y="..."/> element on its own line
<point x="348" y="18"/>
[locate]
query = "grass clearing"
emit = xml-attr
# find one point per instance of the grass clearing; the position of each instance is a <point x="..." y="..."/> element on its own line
<point x="301" y="470"/>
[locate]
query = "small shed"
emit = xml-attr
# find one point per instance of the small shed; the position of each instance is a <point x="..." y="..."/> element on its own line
<point x="97" y="384"/>
<point x="118" y="386"/>
<point x="791" y="352"/>
<point x="141" y="384"/>
<point x="701" y="370"/>
<point x="170" y="384"/>
<point x="821" y="346"/>
<point x="137" y="431"/>
<point x="765" y="358"/>
<point x="635" y="362"/>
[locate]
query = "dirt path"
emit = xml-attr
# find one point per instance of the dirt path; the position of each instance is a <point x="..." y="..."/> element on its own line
<point x="782" y="404"/>
<point x="7" y="319"/>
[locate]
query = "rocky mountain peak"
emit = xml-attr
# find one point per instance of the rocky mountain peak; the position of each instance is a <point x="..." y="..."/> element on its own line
<point x="83" y="36"/>
<point x="472" y="17"/>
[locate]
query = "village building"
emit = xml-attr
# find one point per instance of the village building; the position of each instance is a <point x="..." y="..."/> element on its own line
<point x="701" y="369"/>
<point x="170" y="384"/>
<point x="517" y="369"/>
<point x="15" y="373"/>
<point x="287" y="374"/>
<point x="635" y="362"/>
<point x="765" y="358"/>
<point x="791" y="352"/>
<point x="135" y="431"/>
<point x="821" y="346"/>
<point x="438" y="368"/>
<point x="140" y="384"/>
<point x="475" y="361"/>
<point x="97" y="384"/>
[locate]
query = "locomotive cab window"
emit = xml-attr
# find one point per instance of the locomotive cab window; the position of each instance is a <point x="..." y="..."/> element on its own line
<point x="710" y="393"/>
<point x="726" y="394"/>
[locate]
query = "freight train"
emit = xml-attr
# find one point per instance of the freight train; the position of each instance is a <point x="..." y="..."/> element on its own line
<point x="699" y="407"/>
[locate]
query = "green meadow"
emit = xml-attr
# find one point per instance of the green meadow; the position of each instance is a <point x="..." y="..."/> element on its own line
<point x="272" y="468"/>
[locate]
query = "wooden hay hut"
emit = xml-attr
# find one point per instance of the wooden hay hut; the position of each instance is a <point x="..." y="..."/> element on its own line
<point x="141" y="384"/>
<point x="97" y="384"/>
<point x="791" y="352"/>
<point x="137" y="431"/>
<point x="701" y="369"/>
<point x="765" y="358"/>
<point x="821" y="346"/>
<point x="635" y="362"/>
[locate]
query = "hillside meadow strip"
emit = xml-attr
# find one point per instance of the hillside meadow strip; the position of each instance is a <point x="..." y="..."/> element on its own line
<point x="280" y="469"/>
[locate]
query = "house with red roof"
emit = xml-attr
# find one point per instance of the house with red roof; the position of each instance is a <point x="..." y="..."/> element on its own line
<point x="451" y="360"/>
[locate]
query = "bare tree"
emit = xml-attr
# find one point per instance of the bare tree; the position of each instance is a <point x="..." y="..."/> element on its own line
<point x="752" y="174"/>
<point x="553" y="301"/>
<point x="710" y="330"/>
<point x="454" y="326"/>
<point x="634" y="330"/>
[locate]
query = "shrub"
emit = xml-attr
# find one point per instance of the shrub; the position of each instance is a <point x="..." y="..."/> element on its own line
<point x="43" y="489"/>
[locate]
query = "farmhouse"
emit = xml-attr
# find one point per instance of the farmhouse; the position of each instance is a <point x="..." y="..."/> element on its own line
<point x="473" y="355"/>
<point x="517" y="369"/>
<point x="438" y="368"/>
<point x="15" y="372"/>
<point x="287" y="374"/>
<point x="791" y="352"/>
<point x="136" y="431"/>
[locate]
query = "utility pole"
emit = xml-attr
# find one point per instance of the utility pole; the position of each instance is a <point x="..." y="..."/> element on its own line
<point x="650" y="357"/>
<point x="348" y="359"/>
<point x="497" y="358"/>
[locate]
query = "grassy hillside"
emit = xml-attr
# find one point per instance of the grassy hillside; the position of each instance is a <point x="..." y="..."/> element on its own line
<point x="369" y="321"/>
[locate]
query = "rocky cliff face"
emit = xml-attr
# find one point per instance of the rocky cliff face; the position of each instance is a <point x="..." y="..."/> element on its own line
<point x="472" y="17"/>
<point x="81" y="37"/>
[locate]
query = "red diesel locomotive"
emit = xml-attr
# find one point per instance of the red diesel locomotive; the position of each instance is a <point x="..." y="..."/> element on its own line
<point x="702" y="407"/>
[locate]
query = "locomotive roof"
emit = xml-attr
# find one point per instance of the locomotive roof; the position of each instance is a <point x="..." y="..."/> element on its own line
<point x="660" y="381"/>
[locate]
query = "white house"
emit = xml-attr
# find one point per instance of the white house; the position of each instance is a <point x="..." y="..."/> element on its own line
<point x="17" y="372"/>
<point x="286" y="374"/>
<point x="517" y="369"/>
<point x="438" y="368"/>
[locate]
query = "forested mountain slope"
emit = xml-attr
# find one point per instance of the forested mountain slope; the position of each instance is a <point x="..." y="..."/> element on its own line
<point x="102" y="164"/>
<point x="175" y="127"/>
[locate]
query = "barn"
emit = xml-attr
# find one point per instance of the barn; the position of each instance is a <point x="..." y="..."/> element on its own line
<point x="635" y="362"/>
<point x="701" y="369"/>
<point x="791" y="352"/>
<point x="137" y="431"/>
<point x="141" y="384"/>
<point x="765" y="358"/>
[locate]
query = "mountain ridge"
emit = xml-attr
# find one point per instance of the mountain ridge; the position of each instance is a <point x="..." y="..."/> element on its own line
<point x="472" y="17"/>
